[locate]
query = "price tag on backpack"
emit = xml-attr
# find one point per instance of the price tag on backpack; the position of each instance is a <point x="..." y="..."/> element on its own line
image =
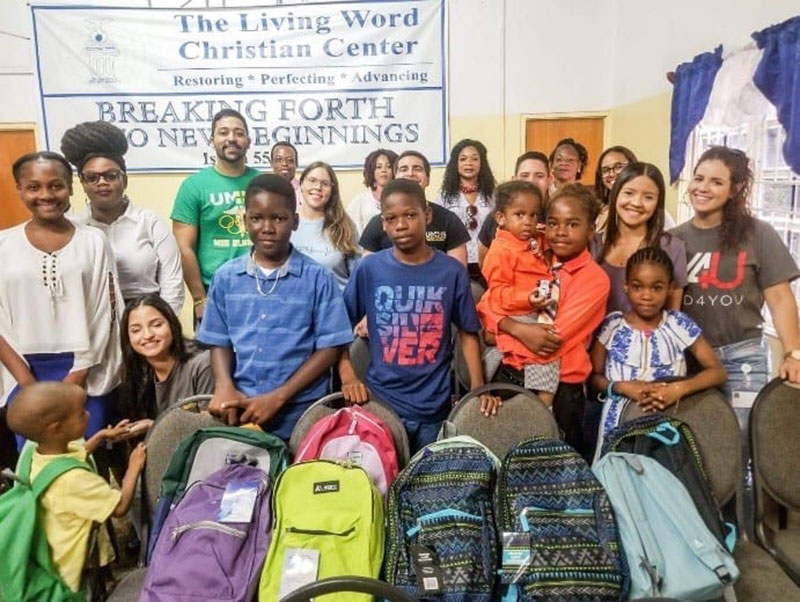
<point x="426" y="567"/>
<point x="300" y="567"/>
<point x="356" y="457"/>
<point x="516" y="555"/>
<point x="238" y="502"/>
<point x="516" y="550"/>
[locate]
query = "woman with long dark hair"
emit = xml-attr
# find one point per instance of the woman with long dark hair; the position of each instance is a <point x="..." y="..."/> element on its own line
<point x="160" y="366"/>
<point x="325" y="231"/>
<point x="636" y="221"/>
<point x="610" y="164"/>
<point x="467" y="190"/>
<point x="736" y="263"/>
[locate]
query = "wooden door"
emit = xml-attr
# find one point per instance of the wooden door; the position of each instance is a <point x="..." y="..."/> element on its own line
<point x="13" y="144"/>
<point x="543" y="134"/>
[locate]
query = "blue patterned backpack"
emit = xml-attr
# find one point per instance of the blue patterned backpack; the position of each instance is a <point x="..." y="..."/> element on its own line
<point x="559" y="539"/>
<point x="441" y="538"/>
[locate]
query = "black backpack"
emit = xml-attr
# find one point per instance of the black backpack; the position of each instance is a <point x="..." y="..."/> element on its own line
<point x="671" y="443"/>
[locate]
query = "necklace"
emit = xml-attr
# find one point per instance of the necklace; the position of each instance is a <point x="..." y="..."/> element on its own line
<point x="468" y="189"/>
<point x="274" y="284"/>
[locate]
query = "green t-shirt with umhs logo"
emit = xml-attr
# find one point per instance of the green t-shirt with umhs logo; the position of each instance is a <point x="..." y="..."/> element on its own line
<point x="214" y="204"/>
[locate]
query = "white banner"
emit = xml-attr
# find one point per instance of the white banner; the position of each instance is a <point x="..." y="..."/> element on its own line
<point x="337" y="80"/>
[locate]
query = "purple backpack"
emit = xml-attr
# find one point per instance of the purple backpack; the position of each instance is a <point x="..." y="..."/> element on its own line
<point x="214" y="541"/>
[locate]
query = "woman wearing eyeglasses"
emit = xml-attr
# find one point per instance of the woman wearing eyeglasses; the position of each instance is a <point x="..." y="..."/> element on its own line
<point x="145" y="251"/>
<point x="467" y="190"/>
<point x="610" y="164"/>
<point x="325" y="232"/>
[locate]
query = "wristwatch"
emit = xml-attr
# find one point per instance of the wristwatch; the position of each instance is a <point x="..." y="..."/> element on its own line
<point x="794" y="354"/>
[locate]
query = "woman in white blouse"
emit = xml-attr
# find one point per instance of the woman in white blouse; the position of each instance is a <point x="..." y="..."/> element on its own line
<point x="468" y="191"/>
<point x="59" y="301"/>
<point x="145" y="251"/>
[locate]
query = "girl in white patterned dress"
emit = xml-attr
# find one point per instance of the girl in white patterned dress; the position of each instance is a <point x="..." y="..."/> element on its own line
<point x="639" y="355"/>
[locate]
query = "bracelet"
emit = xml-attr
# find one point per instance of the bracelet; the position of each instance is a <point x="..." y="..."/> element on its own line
<point x="199" y="302"/>
<point x="610" y="389"/>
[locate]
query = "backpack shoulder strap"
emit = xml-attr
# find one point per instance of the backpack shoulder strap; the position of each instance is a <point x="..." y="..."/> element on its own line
<point x="52" y="471"/>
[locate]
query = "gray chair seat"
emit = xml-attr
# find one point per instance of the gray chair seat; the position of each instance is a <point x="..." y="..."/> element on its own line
<point x="522" y="416"/>
<point x="172" y="426"/>
<point x="130" y="587"/>
<point x="761" y="579"/>
<point x="716" y="430"/>
<point x="786" y="544"/>
<point x="775" y="436"/>
<point x="359" y="357"/>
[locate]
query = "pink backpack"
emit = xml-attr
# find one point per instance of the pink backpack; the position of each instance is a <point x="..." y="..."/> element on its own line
<point x="353" y="434"/>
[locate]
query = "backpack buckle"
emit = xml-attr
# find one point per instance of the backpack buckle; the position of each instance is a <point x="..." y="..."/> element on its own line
<point x="723" y="574"/>
<point x="12" y="476"/>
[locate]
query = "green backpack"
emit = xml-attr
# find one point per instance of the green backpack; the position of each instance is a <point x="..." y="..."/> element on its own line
<point x="27" y="572"/>
<point x="327" y="522"/>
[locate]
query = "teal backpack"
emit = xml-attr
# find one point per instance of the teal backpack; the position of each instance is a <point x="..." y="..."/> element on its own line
<point x="670" y="550"/>
<point x="27" y="572"/>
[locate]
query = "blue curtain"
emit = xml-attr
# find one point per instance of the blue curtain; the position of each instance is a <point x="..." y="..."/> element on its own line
<point x="693" y="82"/>
<point x="778" y="77"/>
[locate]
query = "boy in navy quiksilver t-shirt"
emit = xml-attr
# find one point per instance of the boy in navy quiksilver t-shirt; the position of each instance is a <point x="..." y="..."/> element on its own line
<point x="410" y="295"/>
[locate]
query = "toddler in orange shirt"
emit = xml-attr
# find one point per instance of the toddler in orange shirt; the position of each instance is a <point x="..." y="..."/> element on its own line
<point x="522" y="285"/>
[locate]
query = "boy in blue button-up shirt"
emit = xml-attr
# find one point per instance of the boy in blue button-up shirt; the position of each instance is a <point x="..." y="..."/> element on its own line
<point x="275" y="319"/>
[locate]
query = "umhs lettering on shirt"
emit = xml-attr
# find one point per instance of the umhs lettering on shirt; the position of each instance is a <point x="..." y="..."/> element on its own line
<point x="410" y="323"/>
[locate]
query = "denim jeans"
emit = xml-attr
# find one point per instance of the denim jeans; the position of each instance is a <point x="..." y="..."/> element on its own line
<point x="421" y="434"/>
<point x="747" y="364"/>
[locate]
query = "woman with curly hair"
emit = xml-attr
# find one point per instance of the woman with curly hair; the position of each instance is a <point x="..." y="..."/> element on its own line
<point x="325" y="232"/>
<point x="145" y="251"/>
<point x="378" y="171"/>
<point x="736" y="263"/>
<point x="467" y="190"/>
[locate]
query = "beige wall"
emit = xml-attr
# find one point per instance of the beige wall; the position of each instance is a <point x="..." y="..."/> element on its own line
<point x="644" y="127"/>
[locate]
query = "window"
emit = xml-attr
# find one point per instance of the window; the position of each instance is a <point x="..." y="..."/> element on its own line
<point x="776" y="188"/>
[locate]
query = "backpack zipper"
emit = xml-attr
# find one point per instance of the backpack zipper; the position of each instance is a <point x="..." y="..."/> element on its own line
<point x="320" y="531"/>
<point x="206" y="524"/>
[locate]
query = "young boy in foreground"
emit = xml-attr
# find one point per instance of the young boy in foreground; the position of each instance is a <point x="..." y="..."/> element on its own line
<point x="410" y="295"/>
<point x="53" y="415"/>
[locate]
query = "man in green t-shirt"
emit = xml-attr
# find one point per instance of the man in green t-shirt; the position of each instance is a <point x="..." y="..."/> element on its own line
<point x="208" y="215"/>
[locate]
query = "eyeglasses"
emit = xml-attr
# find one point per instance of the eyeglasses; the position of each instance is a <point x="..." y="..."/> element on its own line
<point x="314" y="182"/>
<point x="110" y="176"/>
<point x="472" y="221"/>
<point x="284" y="160"/>
<point x="615" y="169"/>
